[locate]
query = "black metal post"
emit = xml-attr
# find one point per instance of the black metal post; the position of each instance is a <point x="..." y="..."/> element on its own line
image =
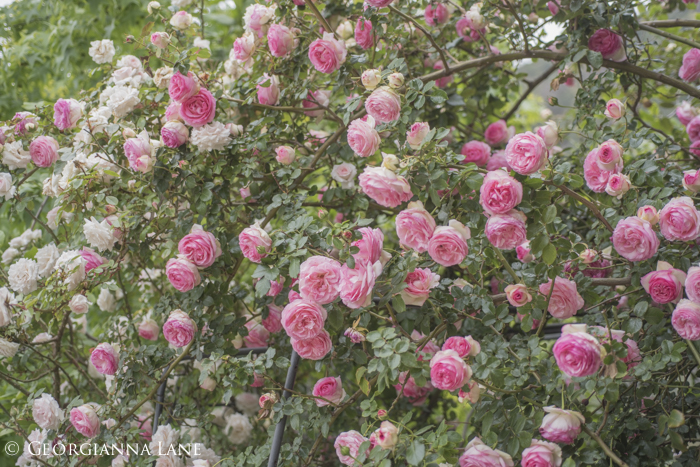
<point x="279" y="429"/>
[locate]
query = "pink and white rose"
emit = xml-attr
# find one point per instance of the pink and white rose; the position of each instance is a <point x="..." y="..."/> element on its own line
<point x="448" y="245"/>
<point x="634" y="239"/>
<point x="665" y="285"/>
<point x="415" y="227"/>
<point x="565" y="300"/>
<point x="179" y="329"/>
<point x="329" y="388"/>
<point x="526" y="153"/>
<point x="419" y="283"/>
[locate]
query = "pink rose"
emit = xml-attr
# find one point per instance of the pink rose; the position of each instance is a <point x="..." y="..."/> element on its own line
<point x="200" y="247"/>
<point x="420" y="282"/>
<point x="182" y="87"/>
<point x="665" y="285"/>
<point x="356" y="284"/>
<point x="692" y="284"/>
<point x="415" y="227"/>
<point x="363" y="138"/>
<point x="258" y="335"/>
<point x="608" y="44"/>
<point x="496" y="133"/>
<point x="149" y="329"/>
<point x="384" y="105"/>
<point x="597" y="178"/>
<point x="137" y="148"/>
<point x="280" y="39"/>
<point x="387" y="435"/>
<point x="370" y="245"/>
<point x="448" y="371"/>
<point x="329" y="388"/>
<point x="541" y="454"/>
<point x="199" y="109"/>
<point x="526" y="153"/>
<point x="105" y="359"/>
<point x="92" y="259"/>
<point x="179" y="329"/>
<point x="633" y="355"/>
<point x="466" y="31"/>
<point x="350" y="440"/>
<point x="415" y="394"/>
<point x="257" y="17"/>
<point x="182" y="274"/>
<point x="690" y="70"/>
<point x="172" y="112"/>
<point x="448" y="245"/>
<point x="498" y="161"/>
<point x="634" y="239"/>
<point x="500" y="192"/>
<point x="315" y="348"/>
<point x="609" y="155"/>
<point x="549" y="133"/>
<point x="273" y="322"/>
<point x="66" y="113"/>
<point x="553" y="7"/>
<point x="464" y="346"/>
<point x="44" y="151"/>
<point x="618" y="185"/>
<point x="275" y="288"/>
<point x="686" y="320"/>
<point x="416" y="134"/>
<point x="679" y="220"/>
<point x="303" y="319"/>
<point x="614" y="109"/>
<point x="686" y="112"/>
<point x="363" y="33"/>
<point x="565" y="301"/>
<point x="517" y="295"/>
<point x="160" y="39"/>
<point x="85" y="420"/>
<point x="293" y="295"/>
<point x="315" y="99"/>
<point x="327" y="54"/>
<point x="252" y="238"/>
<point x="523" y="252"/>
<point x="693" y="129"/>
<point x="506" y="231"/>
<point x="476" y="152"/>
<point x="285" y="155"/>
<point x="577" y="353"/>
<point x="24" y="119"/>
<point x="477" y="454"/>
<point x="354" y="335"/>
<point x="384" y="186"/>
<point x="174" y="134"/>
<point x="561" y="426"/>
<point x="436" y="14"/>
<point x="319" y="279"/>
<point x="649" y="214"/>
<point x="691" y="180"/>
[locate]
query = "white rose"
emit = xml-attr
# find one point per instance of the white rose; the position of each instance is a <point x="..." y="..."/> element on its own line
<point x="162" y="77"/>
<point x="165" y="437"/>
<point x="199" y="451"/>
<point x="181" y="20"/>
<point x="344" y="174"/>
<point x="47" y="413"/>
<point x="14" y="156"/>
<point x="211" y="137"/>
<point x="79" y="304"/>
<point x="121" y="100"/>
<point x="72" y="265"/>
<point x="345" y="30"/>
<point x="152" y="6"/>
<point x="46" y="259"/>
<point x="7" y="299"/>
<point x="106" y="301"/>
<point x="248" y="403"/>
<point x="238" y="428"/>
<point x="51" y="220"/>
<point x="99" y="234"/>
<point x="6" y="188"/>
<point x="7" y="348"/>
<point x="52" y="188"/>
<point x="42" y="337"/>
<point x="102" y="51"/>
<point x="22" y="276"/>
<point x="371" y="78"/>
<point x="98" y="120"/>
<point x="201" y="43"/>
<point x="9" y="255"/>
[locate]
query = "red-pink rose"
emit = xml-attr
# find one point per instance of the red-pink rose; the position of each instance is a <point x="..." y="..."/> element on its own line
<point x="384" y="105"/>
<point x="44" y="151"/>
<point x="356" y="284"/>
<point x="182" y="274"/>
<point x="500" y="192"/>
<point x="252" y="238"/>
<point x="526" y="153"/>
<point x="303" y="319"/>
<point x="690" y="70"/>
<point x="415" y="227"/>
<point x="476" y="152"/>
<point x="419" y="283"/>
<point x="665" y="285"/>
<point x="280" y="39"/>
<point x="319" y="279"/>
<point x="182" y="87"/>
<point x="496" y="133"/>
<point x="609" y="44"/>
<point x="200" y="247"/>
<point x="327" y="54"/>
<point x="448" y="245"/>
<point x="506" y="231"/>
<point x="179" y="329"/>
<point x="686" y="320"/>
<point x="565" y="300"/>
<point x="363" y="138"/>
<point x="363" y="33"/>
<point x="679" y="220"/>
<point x="105" y="359"/>
<point x="384" y="186"/>
<point x="436" y="14"/>
<point x="448" y="371"/>
<point x="199" y="109"/>
<point x="315" y="348"/>
<point x="329" y="388"/>
<point x="635" y="239"/>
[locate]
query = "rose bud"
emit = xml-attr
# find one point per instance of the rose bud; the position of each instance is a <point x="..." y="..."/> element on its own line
<point x="152" y="6"/>
<point x="160" y="39"/>
<point x="354" y="335"/>
<point x="387" y="435"/>
<point x="649" y="214"/>
<point x="587" y="256"/>
<point x="285" y="155"/>
<point x="209" y="384"/>
<point x="390" y="161"/>
<point x="371" y="78"/>
<point x="395" y="80"/>
<point x="381" y="413"/>
<point x="614" y="109"/>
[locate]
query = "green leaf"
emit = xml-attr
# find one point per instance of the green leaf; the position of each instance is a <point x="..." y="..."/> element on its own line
<point x="677" y="441"/>
<point x="415" y="452"/>
<point x="549" y="214"/>
<point x="676" y="419"/>
<point x="549" y="254"/>
<point x="595" y="59"/>
<point x="398" y="304"/>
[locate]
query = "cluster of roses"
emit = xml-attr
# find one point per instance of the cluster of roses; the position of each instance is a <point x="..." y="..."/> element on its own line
<point x="197" y="250"/>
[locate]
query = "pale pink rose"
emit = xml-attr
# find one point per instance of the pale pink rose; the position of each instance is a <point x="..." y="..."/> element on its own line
<point x="416" y="134"/>
<point x="315" y="348"/>
<point x="665" y="285"/>
<point x="352" y="441"/>
<point x="344" y="173"/>
<point x="315" y="99"/>
<point x="199" y="109"/>
<point x="448" y="245"/>
<point x="280" y="39"/>
<point x="693" y="129"/>
<point x="258" y="335"/>
<point x="597" y="178"/>
<point x="137" y="149"/>
<point x="174" y="134"/>
<point x="577" y="353"/>
<point x="609" y="155"/>
<point x="690" y="70"/>
<point x="257" y="17"/>
<point x="526" y="153"/>
<point x="609" y="44"/>
<point x="285" y="155"/>
<point x="363" y="33"/>
<point x="85" y="420"/>
<point x="149" y="329"/>
<point x="47" y="413"/>
<point x="686" y="112"/>
<point x="553" y="7"/>
<point x="541" y="454"/>
<point x="614" y="109"/>
<point x="679" y="220"/>
<point x="523" y="252"/>
<point x="200" y="247"/>
<point x="686" y="320"/>
<point x="415" y="227"/>
<point x="327" y="54"/>
<point x="363" y="138"/>
<point x="329" y="388"/>
<point x="387" y="435"/>
<point x="649" y="214"/>
<point x="172" y="112"/>
<point x="105" y="359"/>
<point x="356" y="284"/>
<point x="448" y="371"/>
<point x="634" y="239"/>
<point x="618" y="185"/>
<point x="691" y="180"/>
<point x="245" y="192"/>
<point x="370" y="245"/>
<point x="66" y="113"/>
<point x="160" y="39"/>
<point x="476" y="152"/>
<point x="92" y="259"/>
<point x="244" y="47"/>
<point x="477" y="454"/>
<point x="420" y="282"/>
<point x="436" y="14"/>
<point x="273" y="322"/>
<point x="496" y="133"/>
<point x="464" y="346"/>
<point x="354" y="335"/>
<point x="506" y="231"/>
<point x="182" y="274"/>
<point x="561" y="426"/>
<point x="549" y="133"/>
<point x="498" y="161"/>
<point x="252" y="238"/>
<point x="692" y="284"/>
<point x="414" y="393"/>
<point x="499" y="193"/>
<point x="565" y="300"/>
<point x="293" y="295"/>
<point x="384" y="186"/>
<point x="319" y="279"/>
<point x="183" y="87"/>
<point x="44" y="151"/>
<point x="179" y="329"/>
<point x="303" y="319"/>
<point x="518" y="295"/>
<point x="384" y="105"/>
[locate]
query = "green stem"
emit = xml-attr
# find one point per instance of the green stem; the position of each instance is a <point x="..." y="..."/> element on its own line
<point x="546" y="310"/>
<point x="693" y="350"/>
<point x="507" y="265"/>
<point x="604" y="446"/>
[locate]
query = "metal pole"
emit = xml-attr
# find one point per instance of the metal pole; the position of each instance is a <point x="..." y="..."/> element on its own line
<point x="279" y="429"/>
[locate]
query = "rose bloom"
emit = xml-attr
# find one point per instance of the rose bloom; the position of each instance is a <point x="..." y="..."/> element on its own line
<point x="160" y="39"/>
<point x="686" y="320"/>
<point x="686" y="112"/>
<point x="464" y="346"/>
<point x="329" y="388"/>
<point x="693" y="129"/>
<point x="370" y="245"/>
<point x="172" y="112"/>
<point x="500" y="192"/>
<point x="691" y="180"/>
<point x="609" y="155"/>
<point x="608" y="44"/>
<point x="436" y="14"/>
<point x="379" y="3"/>
<point x="690" y="70"/>
<point x="448" y="245"/>
<point x="416" y="134"/>
<point x="273" y="322"/>
<point x="181" y="20"/>
<point x="356" y="284"/>
<point x="352" y="441"/>
<point x="275" y="288"/>
<point x="345" y="175"/>
<point x="79" y="304"/>
<point x="561" y="426"/>
<point x="477" y="454"/>
<point x="384" y="186"/>
<point x="618" y="185"/>
<point x="549" y="133"/>
<point x="66" y="113"/>
<point x="319" y="279"/>
<point x="541" y="454"/>
<point x="523" y="252"/>
<point x="518" y="295"/>
<point x="420" y="281"/>
<point x="496" y="133"/>
<point x="258" y="335"/>
<point x="679" y="220"/>
<point x="244" y="47"/>
<point x="179" y="329"/>
<point x="200" y="247"/>
<point x="614" y="109"/>
<point x="665" y="285"/>
<point x="182" y="273"/>
<point x="476" y="152"/>
<point x="415" y="227"/>
<point x="250" y="239"/>
<point x="415" y="394"/>
<point x="44" y="151"/>
<point x="174" y="134"/>
<point x="257" y="16"/>
<point x="363" y="34"/>
<point x="371" y="78"/>
<point x="149" y="329"/>
<point x="92" y="259"/>
<point x="692" y="284"/>
<point x="526" y="153"/>
<point x="315" y="348"/>
<point x="448" y="371"/>
<point x="327" y="54"/>
<point x="577" y="353"/>
<point x="387" y="435"/>
<point x="315" y="99"/>
<point x="182" y="87"/>
<point x="85" y="420"/>
<point x="634" y="239"/>
<point x="363" y="138"/>
<point x="354" y="335"/>
<point x="105" y="359"/>
<point x="199" y="109"/>
<point x="47" y="413"/>
<point x="565" y="301"/>
<point x="303" y="319"/>
<point x="280" y="39"/>
<point x="384" y="105"/>
<point x="506" y="231"/>
<point x="597" y="178"/>
<point x="649" y="214"/>
<point x="285" y="155"/>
